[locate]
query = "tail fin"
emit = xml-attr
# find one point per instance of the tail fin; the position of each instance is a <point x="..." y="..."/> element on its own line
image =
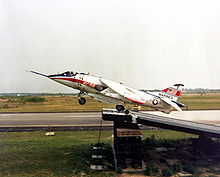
<point x="172" y="93"/>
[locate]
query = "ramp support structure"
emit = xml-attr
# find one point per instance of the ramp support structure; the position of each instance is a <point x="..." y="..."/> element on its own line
<point x="127" y="144"/>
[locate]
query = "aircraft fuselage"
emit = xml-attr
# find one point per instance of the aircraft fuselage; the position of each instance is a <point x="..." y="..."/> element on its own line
<point x="111" y="92"/>
<point x="96" y="89"/>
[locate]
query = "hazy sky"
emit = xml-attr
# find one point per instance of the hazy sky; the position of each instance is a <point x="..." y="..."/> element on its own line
<point x="144" y="44"/>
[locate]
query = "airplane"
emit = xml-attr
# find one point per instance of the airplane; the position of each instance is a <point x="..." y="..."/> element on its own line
<point x="111" y="92"/>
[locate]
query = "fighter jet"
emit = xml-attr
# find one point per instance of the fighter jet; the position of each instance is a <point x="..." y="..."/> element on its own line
<point x="108" y="91"/>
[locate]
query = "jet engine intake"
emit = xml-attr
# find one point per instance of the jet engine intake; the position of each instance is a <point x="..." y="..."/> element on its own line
<point x="99" y="87"/>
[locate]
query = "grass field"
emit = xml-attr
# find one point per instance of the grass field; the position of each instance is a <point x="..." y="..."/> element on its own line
<point x="70" y="103"/>
<point x="51" y="104"/>
<point x="65" y="154"/>
<point x="199" y="101"/>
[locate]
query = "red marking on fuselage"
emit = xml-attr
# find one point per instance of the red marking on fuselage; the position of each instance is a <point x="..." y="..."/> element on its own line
<point x="89" y="84"/>
<point x="135" y="101"/>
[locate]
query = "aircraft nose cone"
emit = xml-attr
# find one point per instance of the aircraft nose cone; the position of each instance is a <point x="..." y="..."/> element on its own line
<point x="38" y="73"/>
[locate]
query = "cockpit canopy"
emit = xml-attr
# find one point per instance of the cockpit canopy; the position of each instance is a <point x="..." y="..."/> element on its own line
<point x="68" y="73"/>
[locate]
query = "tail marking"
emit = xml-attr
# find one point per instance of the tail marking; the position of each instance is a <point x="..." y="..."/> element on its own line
<point x="172" y="91"/>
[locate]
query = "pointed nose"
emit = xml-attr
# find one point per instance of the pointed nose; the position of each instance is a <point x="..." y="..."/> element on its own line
<point x="52" y="76"/>
<point x="39" y="73"/>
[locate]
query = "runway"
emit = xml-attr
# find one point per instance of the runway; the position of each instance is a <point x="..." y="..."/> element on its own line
<point x="39" y="119"/>
<point x="86" y="120"/>
<point x="55" y="121"/>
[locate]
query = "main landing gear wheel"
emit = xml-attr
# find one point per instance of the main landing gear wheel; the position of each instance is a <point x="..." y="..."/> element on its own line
<point x="120" y="108"/>
<point x="82" y="101"/>
<point x="126" y="111"/>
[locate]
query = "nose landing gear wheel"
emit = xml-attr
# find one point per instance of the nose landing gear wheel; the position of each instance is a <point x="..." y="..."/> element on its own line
<point x="82" y="101"/>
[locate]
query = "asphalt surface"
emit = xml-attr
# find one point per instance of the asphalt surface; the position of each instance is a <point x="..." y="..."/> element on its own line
<point x="50" y="119"/>
<point x="85" y="120"/>
<point x="55" y="121"/>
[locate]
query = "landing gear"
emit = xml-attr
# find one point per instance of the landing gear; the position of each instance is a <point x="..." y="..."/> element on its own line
<point x="126" y="111"/>
<point x="122" y="108"/>
<point x="82" y="100"/>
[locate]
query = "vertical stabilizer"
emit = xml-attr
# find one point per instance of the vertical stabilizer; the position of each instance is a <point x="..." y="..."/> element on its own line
<point x="172" y="92"/>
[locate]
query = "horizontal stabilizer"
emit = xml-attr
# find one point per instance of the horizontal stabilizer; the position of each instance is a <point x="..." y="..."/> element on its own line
<point x="173" y="104"/>
<point x="179" y="104"/>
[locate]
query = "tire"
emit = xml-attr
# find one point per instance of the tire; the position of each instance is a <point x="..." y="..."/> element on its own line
<point x="82" y="101"/>
<point x="126" y="111"/>
<point x="120" y="108"/>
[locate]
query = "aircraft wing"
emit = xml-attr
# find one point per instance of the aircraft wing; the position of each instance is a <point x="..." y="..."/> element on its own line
<point x="124" y="91"/>
<point x="168" y="101"/>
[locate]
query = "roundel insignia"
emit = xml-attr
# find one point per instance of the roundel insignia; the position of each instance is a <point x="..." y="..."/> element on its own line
<point x="155" y="102"/>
